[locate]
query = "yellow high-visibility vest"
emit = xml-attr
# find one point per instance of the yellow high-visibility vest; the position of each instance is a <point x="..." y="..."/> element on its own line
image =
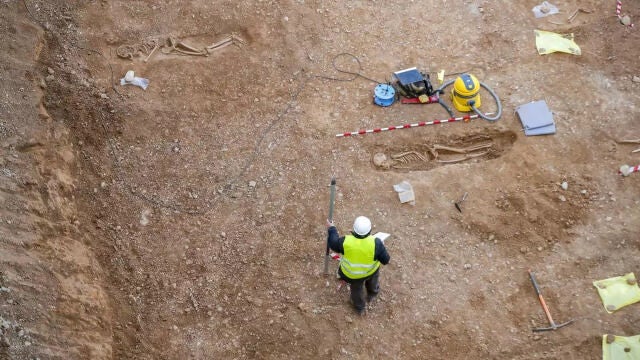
<point x="357" y="262"/>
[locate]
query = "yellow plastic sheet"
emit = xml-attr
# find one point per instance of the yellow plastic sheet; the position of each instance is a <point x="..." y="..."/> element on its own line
<point x="620" y="347"/>
<point x="548" y="42"/>
<point x="618" y="292"/>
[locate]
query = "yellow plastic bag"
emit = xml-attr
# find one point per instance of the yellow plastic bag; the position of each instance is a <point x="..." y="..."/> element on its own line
<point x="620" y="347"/>
<point x="618" y="292"/>
<point x="548" y="42"/>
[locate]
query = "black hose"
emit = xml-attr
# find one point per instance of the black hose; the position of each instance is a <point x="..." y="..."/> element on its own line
<point x="498" y="103"/>
<point x="445" y="106"/>
<point x="443" y="86"/>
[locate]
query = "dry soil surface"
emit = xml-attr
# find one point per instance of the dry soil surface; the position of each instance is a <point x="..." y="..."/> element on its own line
<point x="187" y="220"/>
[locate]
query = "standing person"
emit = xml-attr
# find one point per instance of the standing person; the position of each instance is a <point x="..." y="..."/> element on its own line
<point x="360" y="263"/>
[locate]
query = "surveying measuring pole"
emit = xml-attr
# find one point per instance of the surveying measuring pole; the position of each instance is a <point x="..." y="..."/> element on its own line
<point x="465" y="118"/>
<point x="332" y="199"/>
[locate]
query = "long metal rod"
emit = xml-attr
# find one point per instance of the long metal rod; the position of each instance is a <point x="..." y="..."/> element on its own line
<point x="332" y="199"/>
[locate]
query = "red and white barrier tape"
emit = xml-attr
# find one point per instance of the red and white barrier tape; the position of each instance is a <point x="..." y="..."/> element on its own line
<point x="465" y="118"/>
<point x="626" y="170"/>
<point x="618" y="7"/>
<point x="619" y="11"/>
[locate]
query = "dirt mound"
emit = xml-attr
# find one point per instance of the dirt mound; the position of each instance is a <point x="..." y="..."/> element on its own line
<point x="53" y="303"/>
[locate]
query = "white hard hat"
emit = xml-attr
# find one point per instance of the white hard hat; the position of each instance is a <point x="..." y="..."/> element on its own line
<point x="362" y="225"/>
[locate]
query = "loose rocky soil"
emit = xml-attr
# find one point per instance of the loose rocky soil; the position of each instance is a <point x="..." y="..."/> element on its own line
<point x="187" y="220"/>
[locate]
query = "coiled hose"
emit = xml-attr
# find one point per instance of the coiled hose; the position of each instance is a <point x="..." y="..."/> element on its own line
<point x="471" y="103"/>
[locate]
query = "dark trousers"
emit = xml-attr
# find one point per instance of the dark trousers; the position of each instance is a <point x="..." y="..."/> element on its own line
<point x="357" y="292"/>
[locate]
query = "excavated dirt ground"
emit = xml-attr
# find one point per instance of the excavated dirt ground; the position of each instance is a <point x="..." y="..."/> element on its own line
<point x="187" y="220"/>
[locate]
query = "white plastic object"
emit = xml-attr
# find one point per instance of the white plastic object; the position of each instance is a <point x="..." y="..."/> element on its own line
<point x="544" y="9"/>
<point x="382" y="236"/>
<point x="129" y="76"/>
<point x="625" y="170"/>
<point x="130" y="79"/>
<point x="405" y="192"/>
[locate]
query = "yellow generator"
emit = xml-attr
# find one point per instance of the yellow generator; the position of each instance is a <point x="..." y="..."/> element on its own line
<point x="466" y="93"/>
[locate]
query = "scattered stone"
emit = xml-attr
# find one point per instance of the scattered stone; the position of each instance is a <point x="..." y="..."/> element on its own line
<point x="608" y="218"/>
<point x="50" y="78"/>
<point x="564" y="185"/>
<point x="611" y="307"/>
<point x="524" y="250"/>
<point x="562" y="198"/>
<point x="636" y="79"/>
<point x="348" y="319"/>
<point x="144" y="217"/>
<point x="252" y="184"/>
<point x="27" y="343"/>
<point x="540" y="248"/>
<point x="583" y="192"/>
<point x="467" y="266"/>
<point x="50" y="71"/>
<point x="610" y="338"/>
<point x="626" y="20"/>
<point x="491" y="237"/>
<point x="537" y="337"/>
<point x="223" y="234"/>
<point x="631" y="281"/>
<point x="104" y="96"/>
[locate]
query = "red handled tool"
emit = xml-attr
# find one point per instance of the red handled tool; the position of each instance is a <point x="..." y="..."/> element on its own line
<point x="422" y="99"/>
<point x="553" y="326"/>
